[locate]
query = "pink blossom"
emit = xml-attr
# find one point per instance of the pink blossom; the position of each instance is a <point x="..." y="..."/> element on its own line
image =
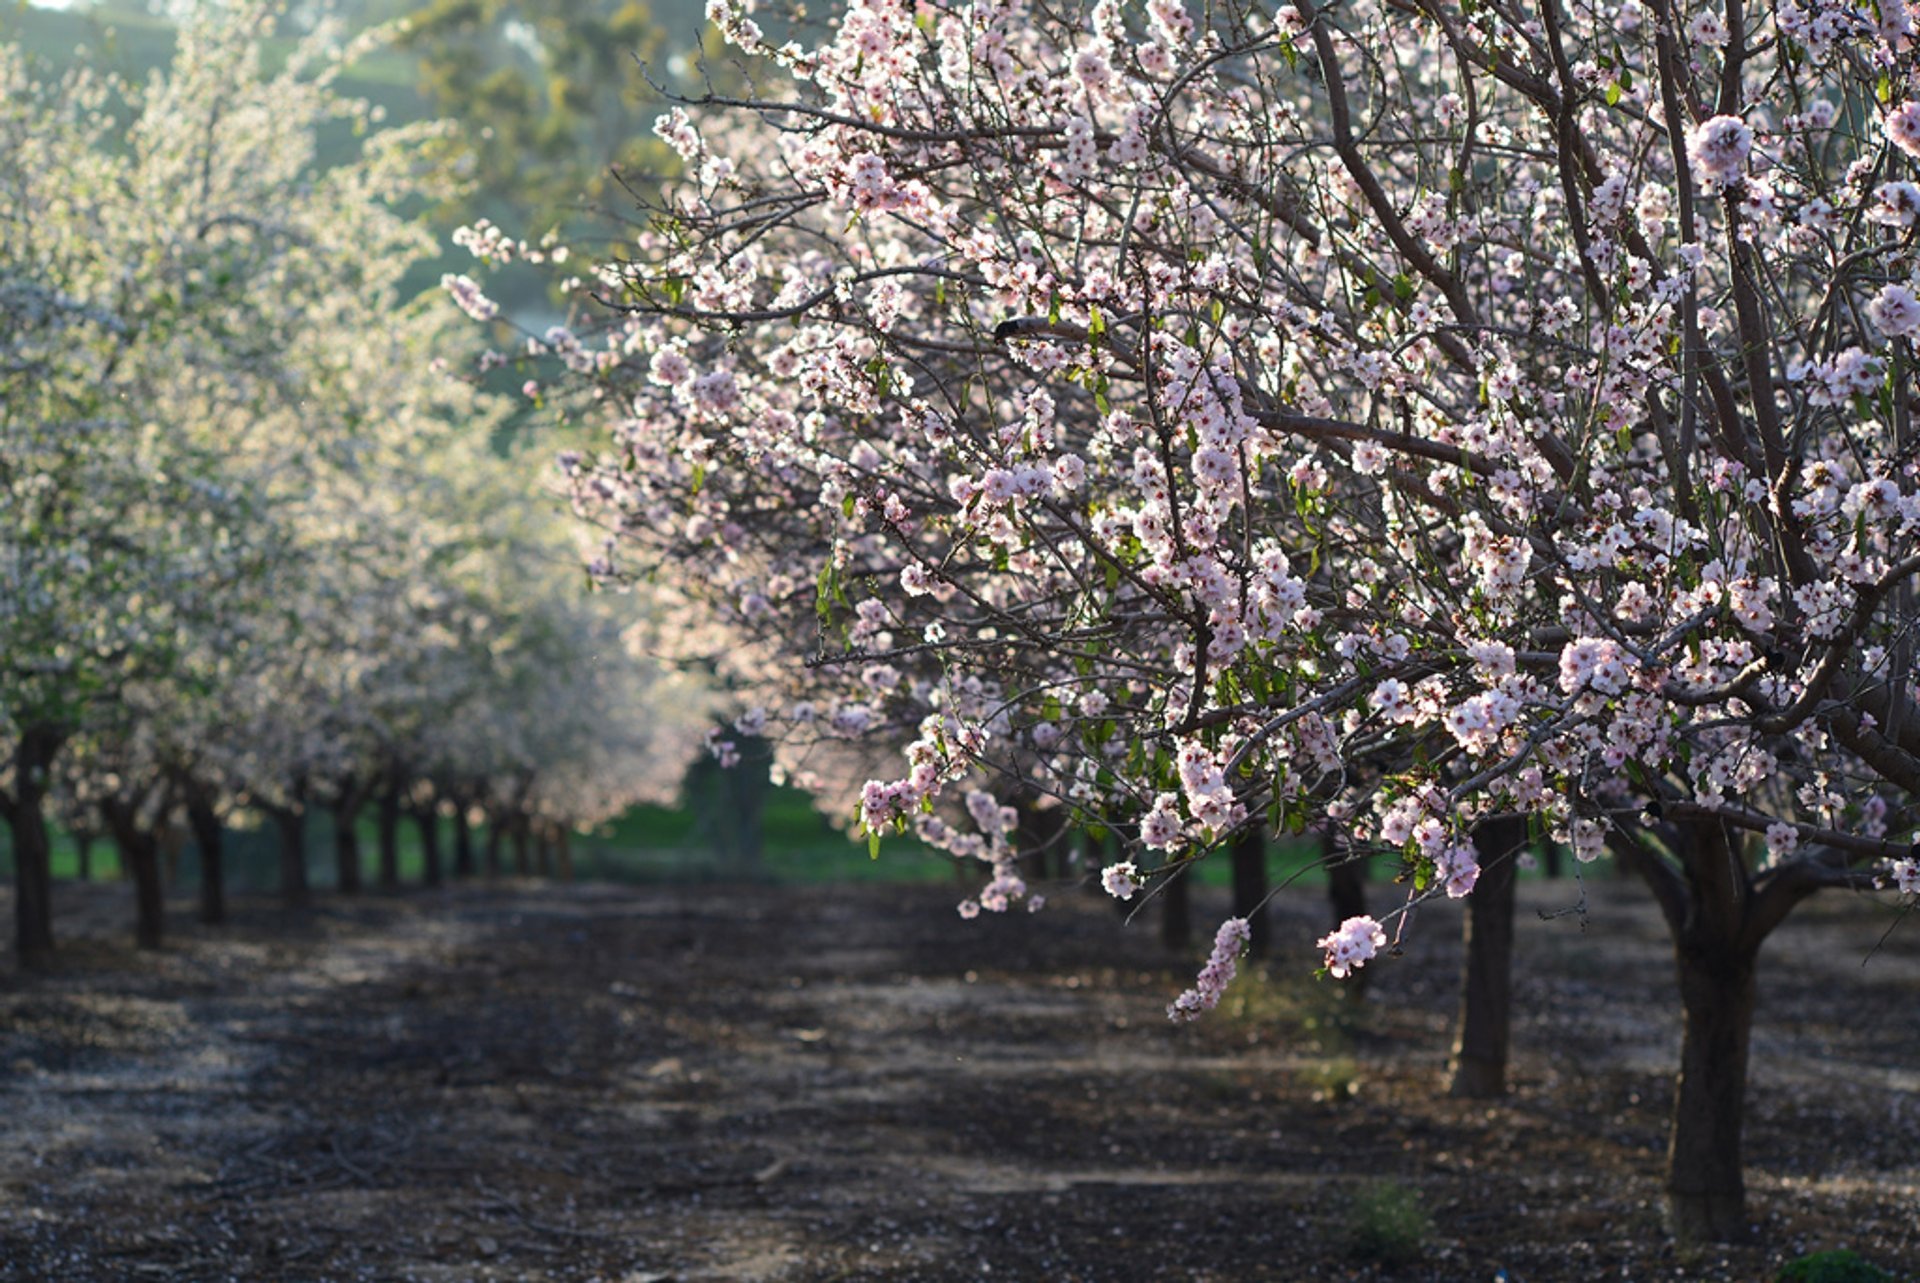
<point x="1718" y="149"/>
<point x="1222" y="964"/>
<point x="1120" y="880"/>
<point x="1903" y="127"/>
<point x="1350" y="945"/>
<point x="1895" y="310"/>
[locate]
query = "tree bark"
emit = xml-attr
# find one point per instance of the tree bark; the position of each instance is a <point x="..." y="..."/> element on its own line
<point x="1176" y="912"/>
<point x="140" y="852"/>
<point x="213" y="871"/>
<point x="26" y="816"/>
<point x="743" y="790"/>
<point x="462" y="842"/>
<point x="543" y="847"/>
<point x="83" y="855"/>
<point x="427" y="819"/>
<point x="563" y="851"/>
<point x="1043" y="833"/>
<point x="388" y="817"/>
<point x="346" y="846"/>
<point x="292" y="825"/>
<point x="140" y="855"/>
<point x="1479" y="1065"/>
<point x="493" y="845"/>
<point x="517" y="830"/>
<point x="1706" y="1188"/>
<point x="1250" y="887"/>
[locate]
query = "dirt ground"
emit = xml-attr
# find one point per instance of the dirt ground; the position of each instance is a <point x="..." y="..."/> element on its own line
<point x="680" y="1083"/>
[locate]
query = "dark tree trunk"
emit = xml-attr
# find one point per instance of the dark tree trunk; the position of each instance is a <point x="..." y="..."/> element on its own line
<point x="1479" y="1067"/>
<point x="1250" y="887"/>
<point x="563" y="851"/>
<point x="1550" y="860"/>
<point x="543" y="848"/>
<point x="522" y="865"/>
<point x="213" y="865"/>
<point x="140" y="856"/>
<point x="1043" y="833"/>
<point x="1347" y="891"/>
<point x="1706" y="1189"/>
<point x="292" y="825"/>
<point x="388" y="821"/>
<point x="462" y="842"/>
<point x="1718" y="919"/>
<point x="83" y="855"/>
<point x="743" y="792"/>
<point x="1176" y="912"/>
<point x="427" y="819"/>
<point x="26" y="817"/>
<point x="346" y="846"/>
<point x="493" y="845"/>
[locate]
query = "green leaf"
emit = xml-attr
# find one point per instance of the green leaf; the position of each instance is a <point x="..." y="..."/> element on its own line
<point x="824" y="591"/>
<point x="1096" y="324"/>
<point x="1613" y="94"/>
<point x="873" y="845"/>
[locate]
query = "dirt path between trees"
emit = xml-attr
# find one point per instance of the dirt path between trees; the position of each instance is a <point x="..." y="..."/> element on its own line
<point x="642" y="1085"/>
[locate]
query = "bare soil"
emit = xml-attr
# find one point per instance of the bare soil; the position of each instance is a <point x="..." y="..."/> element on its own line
<point x="532" y="1082"/>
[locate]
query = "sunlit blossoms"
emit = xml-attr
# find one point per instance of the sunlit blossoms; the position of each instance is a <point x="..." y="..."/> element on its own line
<point x="1149" y="419"/>
<point x="1903" y="127"/>
<point x="1718" y="149"/>
<point x="1351" y="945"/>
<point x="1121" y="881"/>
<point x="1229" y="942"/>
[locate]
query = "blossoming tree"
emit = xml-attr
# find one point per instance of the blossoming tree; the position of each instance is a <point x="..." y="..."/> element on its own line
<point x="253" y="536"/>
<point x="1411" y="414"/>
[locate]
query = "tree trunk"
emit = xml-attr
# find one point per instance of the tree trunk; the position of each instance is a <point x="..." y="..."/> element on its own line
<point x="388" y="817"/>
<point x="1176" y="912"/>
<point x="427" y="819"/>
<point x="743" y="790"/>
<point x="292" y="824"/>
<point x="140" y="855"/>
<point x="346" y="847"/>
<point x="563" y="851"/>
<point x="213" y="872"/>
<point x="83" y="855"/>
<point x="1250" y="887"/>
<point x="1705" y="1186"/>
<point x="543" y="848"/>
<point x="462" y="842"/>
<point x="518" y="831"/>
<point x="1479" y="1067"/>
<point x="493" y="846"/>
<point x="26" y="817"/>
<point x="1043" y="833"/>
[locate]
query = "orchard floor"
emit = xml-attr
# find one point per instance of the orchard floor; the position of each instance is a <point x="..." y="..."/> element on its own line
<point x="541" y="1082"/>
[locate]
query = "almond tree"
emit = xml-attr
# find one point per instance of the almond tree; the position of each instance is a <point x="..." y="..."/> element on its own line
<point x="1405" y="414"/>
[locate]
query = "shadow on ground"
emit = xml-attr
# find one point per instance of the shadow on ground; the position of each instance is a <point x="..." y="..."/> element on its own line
<point x="596" y="1083"/>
